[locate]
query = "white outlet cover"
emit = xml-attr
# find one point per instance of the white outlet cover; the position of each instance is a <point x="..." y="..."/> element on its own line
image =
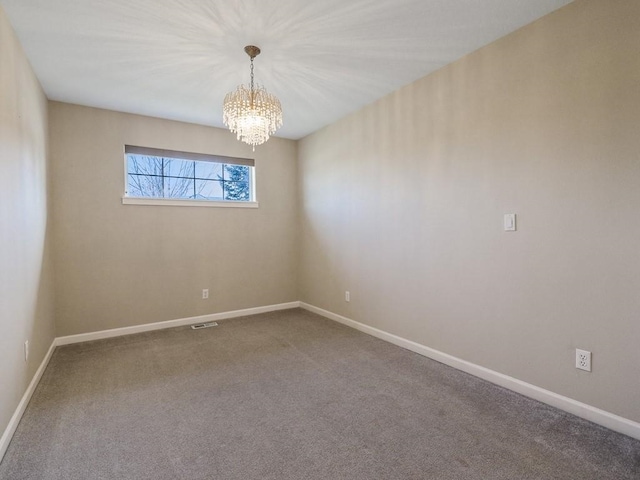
<point x="583" y="360"/>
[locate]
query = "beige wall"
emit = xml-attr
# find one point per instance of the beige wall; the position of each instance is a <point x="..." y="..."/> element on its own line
<point x="121" y="265"/>
<point x="26" y="306"/>
<point x="402" y="204"/>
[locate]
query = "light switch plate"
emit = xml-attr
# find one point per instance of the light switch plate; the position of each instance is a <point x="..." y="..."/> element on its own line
<point x="509" y="222"/>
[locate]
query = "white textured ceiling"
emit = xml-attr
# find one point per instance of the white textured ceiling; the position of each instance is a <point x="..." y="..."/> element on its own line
<point x="177" y="59"/>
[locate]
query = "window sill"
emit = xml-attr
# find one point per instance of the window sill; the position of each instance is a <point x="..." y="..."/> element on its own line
<point x="173" y="202"/>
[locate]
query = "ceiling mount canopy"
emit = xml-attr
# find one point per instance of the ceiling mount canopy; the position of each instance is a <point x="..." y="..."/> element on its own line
<point x="252" y="51"/>
<point x="252" y="113"/>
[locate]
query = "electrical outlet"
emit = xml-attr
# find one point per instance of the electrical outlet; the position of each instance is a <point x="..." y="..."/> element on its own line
<point x="347" y="296"/>
<point x="205" y="293"/>
<point x="26" y="350"/>
<point x="583" y="360"/>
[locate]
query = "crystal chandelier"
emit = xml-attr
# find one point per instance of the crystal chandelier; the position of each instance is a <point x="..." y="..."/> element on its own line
<point x="252" y="113"/>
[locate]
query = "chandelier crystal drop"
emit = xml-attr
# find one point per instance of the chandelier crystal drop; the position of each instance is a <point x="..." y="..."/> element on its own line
<point x="252" y="113"/>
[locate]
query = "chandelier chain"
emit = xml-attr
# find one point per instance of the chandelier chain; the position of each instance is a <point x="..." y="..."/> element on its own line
<point x="252" y="75"/>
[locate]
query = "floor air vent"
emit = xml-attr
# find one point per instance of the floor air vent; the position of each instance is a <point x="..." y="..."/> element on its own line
<point x="204" y="325"/>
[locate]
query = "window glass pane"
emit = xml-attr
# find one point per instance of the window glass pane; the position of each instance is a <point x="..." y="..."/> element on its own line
<point x="134" y="188"/>
<point x="144" y="186"/>
<point x="236" y="191"/>
<point x="236" y="173"/>
<point x="179" y="187"/>
<point x="144" y="165"/>
<point x="208" y="190"/>
<point x="173" y="177"/>
<point x="178" y="168"/>
<point x="208" y="170"/>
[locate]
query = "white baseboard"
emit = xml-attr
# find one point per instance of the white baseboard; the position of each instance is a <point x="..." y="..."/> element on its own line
<point x="588" y="412"/>
<point x="147" y="327"/>
<point x="22" y="406"/>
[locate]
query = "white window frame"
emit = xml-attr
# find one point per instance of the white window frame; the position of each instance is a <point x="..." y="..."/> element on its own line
<point x="178" y="202"/>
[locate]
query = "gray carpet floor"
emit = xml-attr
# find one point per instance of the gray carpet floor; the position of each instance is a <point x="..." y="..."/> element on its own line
<point x="291" y="395"/>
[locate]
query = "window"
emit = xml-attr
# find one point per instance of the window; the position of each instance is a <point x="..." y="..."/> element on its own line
<point x="155" y="176"/>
